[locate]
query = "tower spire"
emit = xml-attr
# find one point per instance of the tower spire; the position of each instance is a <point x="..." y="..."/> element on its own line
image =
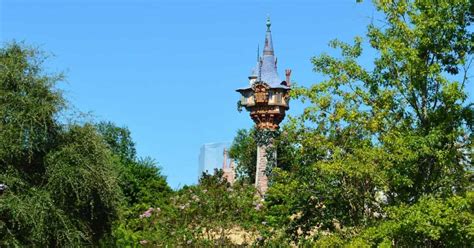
<point x="268" y="49"/>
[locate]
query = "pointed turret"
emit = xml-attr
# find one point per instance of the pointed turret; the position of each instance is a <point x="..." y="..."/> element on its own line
<point x="268" y="49"/>
<point x="254" y="74"/>
<point x="268" y="68"/>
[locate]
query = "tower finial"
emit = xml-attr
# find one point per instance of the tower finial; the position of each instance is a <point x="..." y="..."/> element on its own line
<point x="269" y="23"/>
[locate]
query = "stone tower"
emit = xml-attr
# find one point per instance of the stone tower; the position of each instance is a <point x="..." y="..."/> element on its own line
<point x="267" y="99"/>
<point x="229" y="170"/>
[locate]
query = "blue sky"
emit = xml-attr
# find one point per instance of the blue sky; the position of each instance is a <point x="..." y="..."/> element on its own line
<point x="167" y="69"/>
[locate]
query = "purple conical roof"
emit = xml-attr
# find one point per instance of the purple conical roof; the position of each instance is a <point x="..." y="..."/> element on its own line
<point x="266" y="68"/>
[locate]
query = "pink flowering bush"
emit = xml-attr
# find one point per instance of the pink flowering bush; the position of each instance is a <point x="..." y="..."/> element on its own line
<point x="147" y="214"/>
<point x="201" y="215"/>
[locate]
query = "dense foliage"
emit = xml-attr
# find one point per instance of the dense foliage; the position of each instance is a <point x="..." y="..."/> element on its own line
<point x="60" y="184"/>
<point x="244" y="150"/>
<point x="63" y="184"/>
<point x="212" y="213"/>
<point x="378" y="149"/>
<point x="140" y="179"/>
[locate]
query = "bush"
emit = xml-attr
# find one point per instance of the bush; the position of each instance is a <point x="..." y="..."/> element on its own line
<point x="210" y="213"/>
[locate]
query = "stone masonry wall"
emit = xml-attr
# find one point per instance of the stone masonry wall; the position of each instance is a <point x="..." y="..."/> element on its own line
<point x="261" y="180"/>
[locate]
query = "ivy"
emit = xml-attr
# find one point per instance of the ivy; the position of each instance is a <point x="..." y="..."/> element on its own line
<point x="271" y="156"/>
<point x="264" y="137"/>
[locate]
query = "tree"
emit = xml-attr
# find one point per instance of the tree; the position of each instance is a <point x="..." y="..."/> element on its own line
<point x="82" y="181"/>
<point x="244" y="152"/>
<point x="28" y="107"/>
<point x="385" y="136"/>
<point x="61" y="188"/>
<point x="431" y="222"/>
<point x="119" y="140"/>
<point x="140" y="179"/>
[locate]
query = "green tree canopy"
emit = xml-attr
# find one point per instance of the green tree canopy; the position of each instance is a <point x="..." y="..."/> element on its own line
<point x="61" y="188"/>
<point x="384" y="135"/>
<point x="140" y="179"/>
<point x="28" y="107"/>
<point x="244" y="151"/>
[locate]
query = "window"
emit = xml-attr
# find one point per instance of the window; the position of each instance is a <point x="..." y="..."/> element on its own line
<point x="278" y="99"/>
<point x="243" y="100"/>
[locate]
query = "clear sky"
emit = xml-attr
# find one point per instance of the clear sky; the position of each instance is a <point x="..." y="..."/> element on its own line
<point x="167" y="69"/>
